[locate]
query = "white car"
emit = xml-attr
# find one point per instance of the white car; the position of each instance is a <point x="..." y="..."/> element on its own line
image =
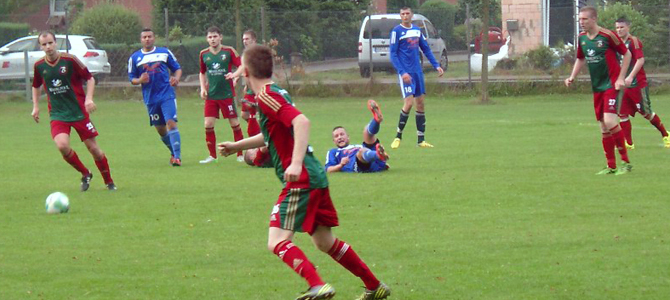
<point x="381" y="31"/>
<point x="12" y="59"/>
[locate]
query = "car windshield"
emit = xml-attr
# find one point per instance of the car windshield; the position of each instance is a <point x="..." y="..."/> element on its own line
<point x="381" y="28"/>
<point x="92" y="44"/>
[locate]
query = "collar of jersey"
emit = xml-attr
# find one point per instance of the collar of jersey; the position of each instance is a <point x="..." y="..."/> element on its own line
<point x="152" y="50"/>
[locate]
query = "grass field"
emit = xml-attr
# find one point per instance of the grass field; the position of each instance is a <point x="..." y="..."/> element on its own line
<point x="506" y="206"/>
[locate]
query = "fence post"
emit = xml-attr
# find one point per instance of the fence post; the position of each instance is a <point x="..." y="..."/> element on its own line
<point x="371" y="67"/>
<point x="467" y="40"/>
<point x="238" y="27"/>
<point x="263" y="24"/>
<point x="27" y="75"/>
<point x="167" y="28"/>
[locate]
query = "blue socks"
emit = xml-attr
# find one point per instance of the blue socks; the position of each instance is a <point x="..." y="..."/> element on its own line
<point x="175" y="142"/>
<point x="401" y="123"/>
<point x="166" y="141"/>
<point x="373" y="127"/>
<point x="420" y="125"/>
<point x="370" y="156"/>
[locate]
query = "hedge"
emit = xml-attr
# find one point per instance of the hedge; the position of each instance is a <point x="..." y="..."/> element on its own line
<point x="12" y="31"/>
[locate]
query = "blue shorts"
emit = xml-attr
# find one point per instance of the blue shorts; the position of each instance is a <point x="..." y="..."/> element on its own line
<point x="160" y="113"/>
<point x="416" y="88"/>
<point x="375" y="166"/>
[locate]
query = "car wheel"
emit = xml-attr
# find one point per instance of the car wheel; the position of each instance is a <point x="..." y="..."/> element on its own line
<point x="444" y="60"/>
<point x="365" y="72"/>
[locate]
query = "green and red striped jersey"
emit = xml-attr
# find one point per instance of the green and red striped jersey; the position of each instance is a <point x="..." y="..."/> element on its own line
<point x="600" y="54"/>
<point x="216" y="66"/>
<point x="635" y="47"/>
<point x="63" y="82"/>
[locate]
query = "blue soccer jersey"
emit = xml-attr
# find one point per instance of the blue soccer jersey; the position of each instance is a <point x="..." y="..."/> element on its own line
<point x="335" y="156"/>
<point x="405" y="44"/>
<point x="158" y="63"/>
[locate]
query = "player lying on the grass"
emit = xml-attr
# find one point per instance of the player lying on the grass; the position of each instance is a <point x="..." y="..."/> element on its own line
<point x="597" y="47"/>
<point x="304" y="204"/>
<point x="69" y="107"/>
<point x="365" y="158"/>
<point x="258" y="157"/>
<point x="636" y="96"/>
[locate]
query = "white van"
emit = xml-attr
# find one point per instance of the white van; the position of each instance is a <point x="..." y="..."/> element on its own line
<point x="381" y="31"/>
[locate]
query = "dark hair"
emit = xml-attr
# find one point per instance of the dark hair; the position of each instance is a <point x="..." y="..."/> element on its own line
<point x="406" y="8"/>
<point x="46" y="33"/>
<point x="623" y="20"/>
<point x="146" y="29"/>
<point x="214" y="29"/>
<point x="251" y="33"/>
<point x="592" y="10"/>
<point x="337" y="127"/>
<point x="259" y="61"/>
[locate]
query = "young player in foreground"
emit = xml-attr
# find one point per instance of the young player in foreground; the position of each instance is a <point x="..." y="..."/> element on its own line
<point x="63" y="76"/>
<point x="304" y="204"/>
<point x="598" y="48"/>
<point x="366" y="158"/>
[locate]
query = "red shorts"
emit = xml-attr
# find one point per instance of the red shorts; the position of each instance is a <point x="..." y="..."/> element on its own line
<point x="635" y="100"/>
<point x="302" y="210"/>
<point x="226" y="106"/>
<point x="248" y="107"/>
<point x="84" y="128"/>
<point x="605" y="102"/>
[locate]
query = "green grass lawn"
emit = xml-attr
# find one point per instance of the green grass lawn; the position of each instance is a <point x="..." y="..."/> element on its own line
<point x="506" y="206"/>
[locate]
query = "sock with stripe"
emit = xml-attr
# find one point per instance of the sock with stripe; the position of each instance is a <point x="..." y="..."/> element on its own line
<point x="656" y="121"/>
<point x="237" y="135"/>
<point x="401" y="123"/>
<point x="291" y="255"/>
<point x="103" y="166"/>
<point x="175" y="142"/>
<point x="627" y="130"/>
<point x="73" y="159"/>
<point x="420" y="125"/>
<point x="373" y="127"/>
<point x="342" y="253"/>
<point x="210" y="138"/>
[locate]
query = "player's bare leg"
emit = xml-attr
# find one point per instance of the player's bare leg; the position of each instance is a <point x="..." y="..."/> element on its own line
<point x="62" y="141"/>
<point x="237" y="135"/>
<point x="280" y="243"/>
<point x="404" y="115"/>
<point x="210" y="139"/>
<point x="100" y="162"/>
<point x="345" y="255"/>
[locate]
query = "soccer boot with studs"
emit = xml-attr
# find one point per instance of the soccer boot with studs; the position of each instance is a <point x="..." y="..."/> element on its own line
<point x="381" y="292"/>
<point x="86" y="182"/>
<point x="319" y="292"/>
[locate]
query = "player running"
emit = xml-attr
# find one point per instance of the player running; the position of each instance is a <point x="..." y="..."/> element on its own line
<point x="62" y="76"/>
<point x="406" y="40"/>
<point x="366" y="158"/>
<point x="636" y="96"/>
<point x="304" y="204"/>
<point x="598" y="48"/>
<point x="215" y="62"/>
<point x="150" y="67"/>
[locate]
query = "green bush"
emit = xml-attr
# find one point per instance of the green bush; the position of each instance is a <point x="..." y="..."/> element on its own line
<point x="541" y="58"/>
<point x="109" y="23"/>
<point x="442" y="15"/>
<point x="12" y="31"/>
<point x="460" y="40"/>
<point x="639" y="27"/>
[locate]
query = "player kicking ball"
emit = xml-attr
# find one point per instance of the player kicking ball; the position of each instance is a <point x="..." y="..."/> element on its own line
<point x="304" y="204"/>
<point x="366" y="158"/>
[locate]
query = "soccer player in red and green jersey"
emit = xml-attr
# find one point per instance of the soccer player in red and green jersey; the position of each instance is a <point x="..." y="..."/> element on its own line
<point x="304" y="204"/>
<point x="62" y="76"/>
<point x="636" y="96"/>
<point x="249" y="102"/>
<point x="215" y="62"/>
<point x="598" y="47"/>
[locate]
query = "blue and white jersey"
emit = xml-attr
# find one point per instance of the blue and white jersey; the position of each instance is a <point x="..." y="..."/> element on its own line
<point x="158" y="63"/>
<point x="335" y="156"/>
<point x="405" y="44"/>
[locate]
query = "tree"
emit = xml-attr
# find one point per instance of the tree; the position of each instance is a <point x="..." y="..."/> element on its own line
<point x="442" y="15"/>
<point x="395" y="5"/>
<point x="476" y="9"/>
<point x="121" y="25"/>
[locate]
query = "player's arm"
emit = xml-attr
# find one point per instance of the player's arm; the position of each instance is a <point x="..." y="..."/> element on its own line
<point x="237" y="73"/>
<point x="579" y="63"/>
<point x="393" y="50"/>
<point x="332" y="165"/>
<point x="620" y="83"/>
<point x="133" y="74"/>
<point x="90" y="89"/>
<point x="37" y="83"/>
<point x="176" y="76"/>
<point x="174" y="66"/>
<point x="639" y="63"/>
<point x="300" y="138"/>
<point x="228" y="148"/>
<point x="423" y="44"/>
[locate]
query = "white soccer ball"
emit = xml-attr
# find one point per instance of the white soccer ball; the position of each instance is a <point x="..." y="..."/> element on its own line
<point x="57" y="203"/>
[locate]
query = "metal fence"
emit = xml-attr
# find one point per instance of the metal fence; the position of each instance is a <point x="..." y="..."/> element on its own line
<point x="325" y="45"/>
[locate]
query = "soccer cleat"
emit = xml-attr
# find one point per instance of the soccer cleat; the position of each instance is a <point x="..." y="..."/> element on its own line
<point x="376" y="111"/>
<point x="111" y="186"/>
<point x="319" y="292"/>
<point x="240" y="158"/>
<point x="606" y="171"/>
<point x="176" y="162"/>
<point x="666" y="141"/>
<point x="381" y="292"/>
<point x="632" y="146"/>
<point x="209" y="159"/>
<point x="395" y="144"/>
<point x="624" y="169"/>
<point x="86" y="182"/>
<point x="381" y="154"/>
<point x="424" y="144"/>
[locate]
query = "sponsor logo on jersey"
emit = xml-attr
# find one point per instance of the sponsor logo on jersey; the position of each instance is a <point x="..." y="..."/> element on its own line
<point x="591" y="52"/>
<point x="63" y="69"/>
<point x="56" y="82"/>
<point x="600" y="44"/>
<point x="216" y="66"/>
<point x="58" y="87"/>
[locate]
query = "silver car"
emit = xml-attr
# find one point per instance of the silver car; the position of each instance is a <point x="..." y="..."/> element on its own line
<point x="381" y="31"/>
<point x="84" y="47"/>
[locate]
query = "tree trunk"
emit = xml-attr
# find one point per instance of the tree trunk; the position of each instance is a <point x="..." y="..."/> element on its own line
<point x="485" y="52"/>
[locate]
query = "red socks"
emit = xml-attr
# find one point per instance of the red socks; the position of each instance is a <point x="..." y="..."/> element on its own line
<point x="296" y="260"/>
<point x="620" y="142"/>
<point x="345" y="255"/>
<point x="608" y="146"/>
<point x="74" y="161"/>
<point x="626" y="128"/>
<point x="210" y="138"/>
<point x="656" y="121"/>
<point x="252" y="126"/>
<point x="237" y="134"/>
<point x="103" y="166"/>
